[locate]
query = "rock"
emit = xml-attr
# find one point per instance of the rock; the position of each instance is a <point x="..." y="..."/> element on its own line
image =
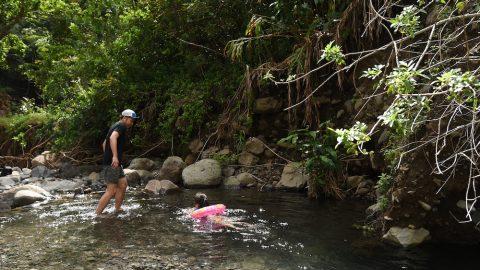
<point x="354" y="181"/>
<point x="172" y="169"/>
<point x="26" y="197"/>
<point x="59" y="185"/>
<point x="16" y="169"/>
<point x="161" y="187"/>
<point x="461" y="204"/>
<point x="247" y="159"/>
<point x="254" y="146"/>
<point x="94" y="176"/>
<point x="407" y="237"/>
<point x="190" y="159"/>
<point x="348" y="105"/>
<point x="373" y="209"/>
<point x="231" y="182"/>
<point x="195" y="146"/>
<point x="228" y="171"/>
<point x="204" y="173"/>
<point x="33" y="188"/>
<point x="340" y="113"/>
<point x="142" y="164"/>
<point x="4" y="207"/>
<point x="268" y="153"/>
<point x="45" y="159"/>
<point x="144" y="175"/>
<point x="224" y="152"/>
<point x="383" y="137"/>
<point x="210" y="152"/>
<point x="245" y="179"/>
<point x="267" y="105"/>
<point x="293" y="177"/>
<point x="133" y="179"/>
<point x="425" y="206"/>
<point x="7" y="181"/>
<point x="41" y="172"/>
<point x="67" y="170"/>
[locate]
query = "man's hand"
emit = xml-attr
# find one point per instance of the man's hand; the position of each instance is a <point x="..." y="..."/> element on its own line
<point x="115" y="162"/>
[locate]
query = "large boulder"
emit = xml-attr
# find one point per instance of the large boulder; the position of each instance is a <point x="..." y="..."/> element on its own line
<point x="68" y="170"/>
<point x="26" y="197"/>
<point x="161" y="187"/>
<point x="267" y="105"/>
<point x="142" y="164"/>
<point x="33" y="188"/>
<point x="204" y="173"/>
<point x="407" y="237"/>
<point x="172" y="169"/>
<point x="247" y="159"/>
<point x="254" y="146"/>
<point x="41" y="172"/>
<point x="246" y="179"/>
<point x="293" y="177"/>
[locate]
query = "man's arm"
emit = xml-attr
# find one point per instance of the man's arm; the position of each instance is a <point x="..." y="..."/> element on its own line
<point x="113" y="145"/>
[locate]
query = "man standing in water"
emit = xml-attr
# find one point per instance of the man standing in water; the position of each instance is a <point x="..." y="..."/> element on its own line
<point x="112" y="162"/>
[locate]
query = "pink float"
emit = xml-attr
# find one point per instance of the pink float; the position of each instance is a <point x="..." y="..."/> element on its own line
<point x="216" y="209"/>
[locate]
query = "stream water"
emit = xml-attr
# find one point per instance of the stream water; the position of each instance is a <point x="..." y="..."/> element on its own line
<point x="287" y="232"/>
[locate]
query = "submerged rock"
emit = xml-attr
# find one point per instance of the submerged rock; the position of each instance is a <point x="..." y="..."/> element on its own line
<point x="161" y="187"/>
<point x="407" y="237"/>
<point x="293" y="177"/>
<point x="26" y="197"/>
<point x="142" y="164"/>
<point x="204" y="173"/>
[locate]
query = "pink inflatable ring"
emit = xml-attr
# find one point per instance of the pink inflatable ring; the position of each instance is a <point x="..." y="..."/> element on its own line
<point x="216" y="209"/>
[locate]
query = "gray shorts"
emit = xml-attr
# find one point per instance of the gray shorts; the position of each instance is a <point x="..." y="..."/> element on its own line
<point x="112" y="175"/>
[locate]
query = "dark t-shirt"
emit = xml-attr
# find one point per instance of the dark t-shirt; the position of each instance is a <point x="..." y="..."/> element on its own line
<point x="122" y="130"/>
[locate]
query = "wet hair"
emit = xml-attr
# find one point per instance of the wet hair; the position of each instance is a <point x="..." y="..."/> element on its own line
<point x="201" y="200"/>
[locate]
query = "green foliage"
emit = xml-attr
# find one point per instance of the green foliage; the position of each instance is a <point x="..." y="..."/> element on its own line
<point x="10" y="44"/>
<point x="462" y="86"/>
<point x="353" y="138"/>
<point x="407" y="22"/>
<point x="333" y="52"/>
<point x="383" y="202"/>
<point x="318" y="150"/>
<point x="373" y="73"/>
<point x="226" y="159"/>
<point x="403" y="79"/>
<point x="400" y="115"/>
<point x="385" y="182"/>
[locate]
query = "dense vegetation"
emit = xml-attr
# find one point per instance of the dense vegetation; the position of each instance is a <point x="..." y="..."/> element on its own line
<point x="194" y="68"/>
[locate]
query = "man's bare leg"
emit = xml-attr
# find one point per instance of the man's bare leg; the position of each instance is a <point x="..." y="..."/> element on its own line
<point x="120" y="193"/>
<point x="103" y="202"/>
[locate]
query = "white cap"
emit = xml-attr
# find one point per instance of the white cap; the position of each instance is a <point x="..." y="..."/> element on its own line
<point x="130" y="113"/>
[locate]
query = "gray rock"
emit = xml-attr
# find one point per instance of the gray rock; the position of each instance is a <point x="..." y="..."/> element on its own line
<point x="172" y="169"/>
<point x="34" y="188"/>
<point x="7" y="181"/>
<point x="17" y="169"/>
<point x="26" y="171"/>
<point x="247" y="159"/>
<point x="68" y="170"/>
<point x="204" y="173"/>
<point x="231" y="182"/>
<point x="133" y="178"/>
<point x="4" y="207"/>
<point x="59" y="185"/>
<point x="41" y="172"/>
<point x="145" y="175"/>
<point x="407" y="237"/>
<point x="161" y="187"/>
<point x="26" y="197"/>
<point x="373" y="209"/>
<point x="228" y="171"/>
<point x="425" y="206"/>
<point x="210" y="152"/>
<point x="362" y="191"/>
<point x="254" y="146"/>
<point x="245" y="179"/>
<point x="94" y="176"/>
<point x="293" y="177"/>
<point x="267" y="105"/>
<point x="47" y="158"/>
<point x="142" y="164"/>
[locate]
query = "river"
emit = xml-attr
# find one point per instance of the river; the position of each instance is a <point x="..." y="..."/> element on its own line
<point x="286" y="231"/>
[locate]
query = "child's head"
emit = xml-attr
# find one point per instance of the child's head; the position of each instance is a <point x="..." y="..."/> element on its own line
<point x="201" y="200"/>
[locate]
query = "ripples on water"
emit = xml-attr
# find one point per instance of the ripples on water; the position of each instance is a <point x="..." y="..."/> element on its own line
<point x="283" y="231"/>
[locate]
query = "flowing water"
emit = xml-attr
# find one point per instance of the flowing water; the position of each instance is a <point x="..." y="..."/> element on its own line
<point x="286" y="231"/>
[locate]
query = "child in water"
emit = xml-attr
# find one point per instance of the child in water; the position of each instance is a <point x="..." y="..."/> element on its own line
<point x="201" y="201"/>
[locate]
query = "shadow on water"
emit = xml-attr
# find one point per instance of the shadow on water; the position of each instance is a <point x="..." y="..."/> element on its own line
<point x="286" y="232"/>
